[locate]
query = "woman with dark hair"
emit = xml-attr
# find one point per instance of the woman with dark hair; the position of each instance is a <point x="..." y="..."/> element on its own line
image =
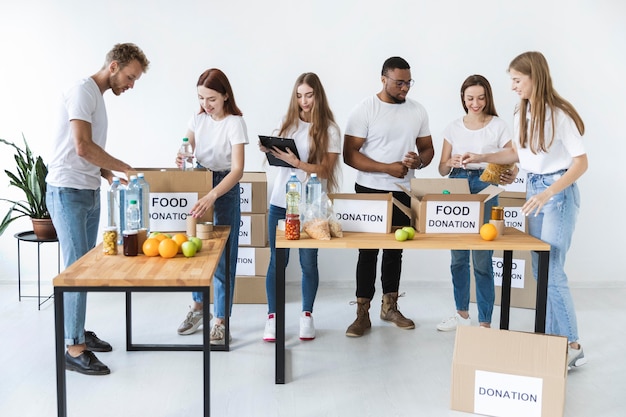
<point x="217" y="134"/>
<point x="310" y="122"/>
<point x="548" y="145"/>
<point x="480" y="130"/>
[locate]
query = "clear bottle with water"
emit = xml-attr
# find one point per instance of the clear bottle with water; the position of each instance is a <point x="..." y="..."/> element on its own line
<point x="133" y="216"/>
<point x="186" y="151"/>
<point x="314" y="196"/>
<point x="114" y="195"/>
<point x="293" y="179"/>
<point x="144" y="201"/>
<point x="132" y="192"/>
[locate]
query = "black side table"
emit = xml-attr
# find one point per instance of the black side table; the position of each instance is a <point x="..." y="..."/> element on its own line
<point x="31" y="237"/>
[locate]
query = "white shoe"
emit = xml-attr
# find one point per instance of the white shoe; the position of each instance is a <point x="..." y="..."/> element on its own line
<point x="575" y="357"/>
<point x="307" y="327"/>
<point x="218" y="335"/>
<point x="269" y="335"/>
<point x="450" y="324"/>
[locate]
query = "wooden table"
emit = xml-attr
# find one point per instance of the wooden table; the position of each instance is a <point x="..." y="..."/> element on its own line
<point x="512" y="240"/>
<point x="96" y="272"/>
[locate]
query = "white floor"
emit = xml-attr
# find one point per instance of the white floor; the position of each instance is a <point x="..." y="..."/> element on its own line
<point x="389" y="372"/>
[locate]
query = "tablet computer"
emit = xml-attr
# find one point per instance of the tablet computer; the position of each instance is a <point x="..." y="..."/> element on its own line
<point x="282" y="144"/>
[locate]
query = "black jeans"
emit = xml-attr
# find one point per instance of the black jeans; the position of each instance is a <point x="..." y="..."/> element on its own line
<point x="392" y="258"/>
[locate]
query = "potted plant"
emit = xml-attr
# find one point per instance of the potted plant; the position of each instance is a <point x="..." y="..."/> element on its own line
<point x="30" y="177"/>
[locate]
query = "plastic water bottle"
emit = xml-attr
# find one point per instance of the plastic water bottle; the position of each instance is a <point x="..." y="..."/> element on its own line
<point x="314" y="195"/>
<point x="294" y="180"/>
<point x="121" y="212"/>
<point x="133" y="216"/>
<point x="144" y="201"/>
<point x="187" y="153"/>
<point x="113" y="204"/>
<point x="132" y="192"/>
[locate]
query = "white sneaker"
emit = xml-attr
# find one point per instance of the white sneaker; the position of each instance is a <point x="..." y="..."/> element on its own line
<point x="307" y="328"/>
<point x="575" y="357"/>
<point x="218" y="335"/>
<point x="269" y="335"/>
<point x="450" y="324"/>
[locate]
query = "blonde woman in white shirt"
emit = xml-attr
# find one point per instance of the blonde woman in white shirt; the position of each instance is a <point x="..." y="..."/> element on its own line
<point x="548" y="145"/>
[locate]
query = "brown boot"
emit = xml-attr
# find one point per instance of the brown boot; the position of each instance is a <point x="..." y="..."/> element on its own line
<point x="362" y="322"/>
<point x="389" y="312"/>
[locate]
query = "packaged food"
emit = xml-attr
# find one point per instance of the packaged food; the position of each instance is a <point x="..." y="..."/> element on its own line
<point x="317" y="229"/>
<point x="109" y="240"/>
<point x="492" y="173"/>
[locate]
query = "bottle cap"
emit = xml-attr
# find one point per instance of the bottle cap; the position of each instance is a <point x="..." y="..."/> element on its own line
<point x="133" y="201"/>
<point x="185" y="139"/>
<point x="116" y="179"/>
<point x="130" y="232"/>
<point x="445" y="192"/>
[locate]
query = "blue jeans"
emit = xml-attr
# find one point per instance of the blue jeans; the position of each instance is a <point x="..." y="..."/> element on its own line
<point x="555" y="225"/>
<point x="226" y="212"/>
<point x="481" y="259"/>
<point x="75" y="215"/>
<point x="308" y="263"/>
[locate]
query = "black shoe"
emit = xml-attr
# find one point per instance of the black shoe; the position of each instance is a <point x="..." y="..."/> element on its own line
<point x="86" y="363"/>
<point x="96" y="345"/>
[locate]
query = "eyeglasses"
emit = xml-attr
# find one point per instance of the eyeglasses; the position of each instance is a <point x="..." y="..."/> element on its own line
<point x="401" y="83"/>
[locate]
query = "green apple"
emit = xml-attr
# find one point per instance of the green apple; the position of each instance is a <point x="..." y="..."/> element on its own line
<point x="401" y="235"/>
<point x="189" y="249"/>
<point x="410" y="231"/>
<point x="153" y="234"/>
<point x="197" y="241"/>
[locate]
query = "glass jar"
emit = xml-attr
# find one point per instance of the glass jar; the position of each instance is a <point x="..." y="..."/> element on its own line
<point x="130" y="242"/>
<point x="109" y="240"/>
<point x="497" y="213"/>
<point x="292" y="227"/>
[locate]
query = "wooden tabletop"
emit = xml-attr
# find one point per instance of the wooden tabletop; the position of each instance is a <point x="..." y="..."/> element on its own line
<point x="95" y="269"/>
<point x="512" y="239"/>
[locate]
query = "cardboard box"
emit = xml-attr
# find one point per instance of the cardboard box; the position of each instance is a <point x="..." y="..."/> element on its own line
<point x="173" y="193"/>
<point x="248" y="290"/>
<point x="517" y="189"/>
<point x="365" y="212"/>
<point x="508" y="374"/>
<point x="457" y="212"/>
<point x="253" y="190"/>
<point x="523" y="284"/>
<point x="513" y="216"/>
<point x="252" y="261"/>
<point x="253" y="230"/>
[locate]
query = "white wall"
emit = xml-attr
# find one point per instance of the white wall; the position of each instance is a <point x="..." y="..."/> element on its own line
<point x="264" y="46"/>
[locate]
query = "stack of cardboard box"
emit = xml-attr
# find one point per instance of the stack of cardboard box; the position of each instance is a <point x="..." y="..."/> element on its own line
<point x="254" y="252"/>
<point x="523" y="284"/>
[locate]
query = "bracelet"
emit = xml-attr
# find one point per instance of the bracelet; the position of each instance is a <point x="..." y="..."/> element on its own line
<point x="421" y="165"/>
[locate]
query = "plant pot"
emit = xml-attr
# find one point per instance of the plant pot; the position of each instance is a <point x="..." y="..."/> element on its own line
<point x="44" y="229"/>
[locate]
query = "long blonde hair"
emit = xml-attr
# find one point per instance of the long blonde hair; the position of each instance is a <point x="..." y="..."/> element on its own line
<point x="543" y="96"/>
<point x="321" y="120"/>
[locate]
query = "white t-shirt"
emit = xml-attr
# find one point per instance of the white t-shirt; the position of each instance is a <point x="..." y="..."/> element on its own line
<point x="215" y="139"/>
<point x="491" y="138"/>
<point x="301" y="137"/>
<point x="567" y="144"/>
<point x="82" y="101"/>
<point x="390" y="131"/>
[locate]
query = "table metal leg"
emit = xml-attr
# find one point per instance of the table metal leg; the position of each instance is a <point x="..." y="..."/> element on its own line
<point x="280" y="315"/>
<point x="542" y="291"/>
<point x="59" y="340"/>
<point x="505" y="296"/>
<point x="19" y="273"/>
<point x="206" y="350"/>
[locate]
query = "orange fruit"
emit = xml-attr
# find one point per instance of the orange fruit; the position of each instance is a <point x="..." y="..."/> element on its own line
<point x="488" y="231"/>
<point x="179" y="238"/>
<point x="151" y="247"/>
<point x="160" y="237"/>
<point x="168" y="248"/>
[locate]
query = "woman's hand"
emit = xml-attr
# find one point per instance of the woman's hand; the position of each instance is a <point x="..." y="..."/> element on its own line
<point x="455" y="161"/>
<point x="179" y="160"/>
<point x="468" y="158"/>
<point x="536" y="202"/>
<point x="286" y="156"/>
<point x="203" y="205"/>
<point x="508" y="176"/>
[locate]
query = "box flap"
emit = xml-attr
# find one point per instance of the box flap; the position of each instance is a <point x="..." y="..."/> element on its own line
<point x="491" y="191"/>
<point x="422" y="186"/>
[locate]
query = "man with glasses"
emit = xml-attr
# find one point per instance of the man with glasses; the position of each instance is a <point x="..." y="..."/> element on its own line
<point x="382" y="136"/>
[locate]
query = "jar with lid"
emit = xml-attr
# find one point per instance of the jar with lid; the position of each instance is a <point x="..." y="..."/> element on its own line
<point x="497" y="213"/>
<point x="130" y="242"/>
<point x="109" y="240"/>
<point x="292" y="227"/>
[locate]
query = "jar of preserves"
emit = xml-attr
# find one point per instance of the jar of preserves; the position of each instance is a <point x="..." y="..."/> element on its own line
<point x="292" y="227"/>
<point x="130" y="242"/>
<point x="497" y="213"/>
<point x="109" y="240"/>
